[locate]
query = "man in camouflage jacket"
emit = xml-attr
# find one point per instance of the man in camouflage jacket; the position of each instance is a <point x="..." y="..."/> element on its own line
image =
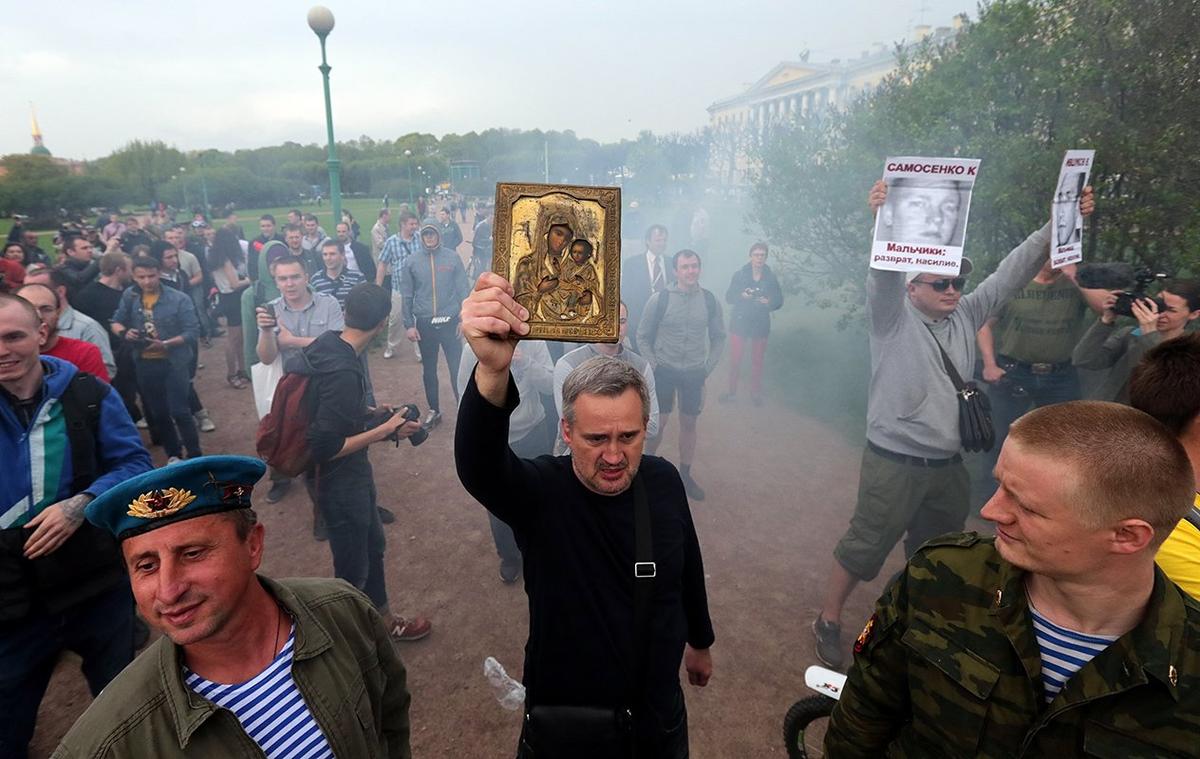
<point x="949" y="665"/>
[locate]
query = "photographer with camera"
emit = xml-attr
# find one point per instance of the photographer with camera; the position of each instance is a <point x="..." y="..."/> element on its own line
<point x="1118" y="349"/>
<point x="754" y="293"/>
<point x="342" y="427"/>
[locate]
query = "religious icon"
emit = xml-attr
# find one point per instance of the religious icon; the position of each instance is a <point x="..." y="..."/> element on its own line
<point x="560" y="247"/>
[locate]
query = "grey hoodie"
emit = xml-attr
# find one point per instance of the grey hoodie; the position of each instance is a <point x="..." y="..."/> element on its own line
<point x="433" y="282"/>
<point x="911" y="403"/>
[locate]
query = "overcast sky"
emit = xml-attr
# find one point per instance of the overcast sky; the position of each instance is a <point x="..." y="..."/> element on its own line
<point x="244" y="74"/>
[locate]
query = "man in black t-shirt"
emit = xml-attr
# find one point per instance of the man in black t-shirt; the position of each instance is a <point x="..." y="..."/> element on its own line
<point x="574" y="521"/>
<point x="99" y="300"/>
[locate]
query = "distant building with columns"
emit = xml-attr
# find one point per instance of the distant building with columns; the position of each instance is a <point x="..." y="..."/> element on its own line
<point x="793" y="89"/>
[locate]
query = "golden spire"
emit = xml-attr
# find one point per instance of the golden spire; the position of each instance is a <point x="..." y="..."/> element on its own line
<point x="33" y="125"/>
<point x="38" y="148"/>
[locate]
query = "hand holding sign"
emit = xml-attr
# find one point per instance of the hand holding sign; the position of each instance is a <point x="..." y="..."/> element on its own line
<point x="921" y="217"/>
<point x="1067" y="210"/>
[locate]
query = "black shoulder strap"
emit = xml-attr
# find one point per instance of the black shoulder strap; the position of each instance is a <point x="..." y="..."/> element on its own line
<point x="710" y="303"/>
<point x="959" y="385"/>
<point x="1193" y="517"/>
<point x="644" y="572"/>
<point x="81" y="412"/>
<point x="660" y="310"/>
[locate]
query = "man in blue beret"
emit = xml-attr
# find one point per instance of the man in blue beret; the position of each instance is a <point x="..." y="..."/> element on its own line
<point x="291" y="668"/>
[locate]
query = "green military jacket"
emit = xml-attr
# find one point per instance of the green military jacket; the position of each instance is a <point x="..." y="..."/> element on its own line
<point x="949" y="666"/>
<point x="345" y="667"/>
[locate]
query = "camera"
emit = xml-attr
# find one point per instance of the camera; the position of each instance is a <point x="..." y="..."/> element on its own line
<point x="1118" y="276"/>
<point x="1142" y="279"/>
<point x="411" y="413"/>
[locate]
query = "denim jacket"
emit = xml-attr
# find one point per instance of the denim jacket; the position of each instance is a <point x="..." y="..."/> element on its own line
<point x="174" y="315"/>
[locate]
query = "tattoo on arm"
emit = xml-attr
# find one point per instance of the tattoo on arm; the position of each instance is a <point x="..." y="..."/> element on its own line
<point x="72" y="508"/>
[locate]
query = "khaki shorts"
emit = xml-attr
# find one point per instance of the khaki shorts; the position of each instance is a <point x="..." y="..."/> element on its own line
<point x="895" y="498"/>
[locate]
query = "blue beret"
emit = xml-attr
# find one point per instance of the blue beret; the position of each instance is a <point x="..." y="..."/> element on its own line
<point x="191" y="488"/>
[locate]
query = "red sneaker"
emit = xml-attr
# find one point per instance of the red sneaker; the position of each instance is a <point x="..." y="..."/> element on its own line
<point x="408" y="630"/>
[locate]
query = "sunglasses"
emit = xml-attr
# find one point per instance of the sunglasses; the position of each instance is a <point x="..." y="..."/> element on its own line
<point x="942" y="285"/>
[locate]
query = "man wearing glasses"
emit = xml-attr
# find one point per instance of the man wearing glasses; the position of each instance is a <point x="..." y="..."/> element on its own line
<point x="912" y="478"/>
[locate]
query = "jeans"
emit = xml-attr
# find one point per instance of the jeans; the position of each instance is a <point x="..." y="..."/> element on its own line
<point x="201" y="303"/>
<point x="356" y="537"/>
<point x="165" y="395"/>
<point x="1019" y="391"/>
<point x="125" y="383"/>
<point x="758" y="349"/>
<point x="433" y="337"/>
<point x="99" y="629"/>
<point x="395" y="329"/>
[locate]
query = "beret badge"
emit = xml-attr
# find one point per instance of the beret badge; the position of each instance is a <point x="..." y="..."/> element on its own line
<point x="160" y="503"/>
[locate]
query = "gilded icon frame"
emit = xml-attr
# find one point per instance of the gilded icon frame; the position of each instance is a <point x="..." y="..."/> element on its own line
<point x="560" y="247"/>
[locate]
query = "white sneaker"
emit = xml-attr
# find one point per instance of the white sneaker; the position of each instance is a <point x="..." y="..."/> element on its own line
<point x="173" y="460"/>
<point x="204" y="422"/>
<point x="141" y="424"/>
<point x="388" y="352"/>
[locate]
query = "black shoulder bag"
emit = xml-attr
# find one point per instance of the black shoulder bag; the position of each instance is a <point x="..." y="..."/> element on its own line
<point x="974" y="409"/>
<point x="593" y="732"/>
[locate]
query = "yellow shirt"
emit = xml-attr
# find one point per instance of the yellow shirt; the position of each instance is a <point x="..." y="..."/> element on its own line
<point x="147" y="328"/>
<point x="1179" y="556"/>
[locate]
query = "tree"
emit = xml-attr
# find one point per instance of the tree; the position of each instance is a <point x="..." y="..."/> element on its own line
<point x="21" y="167"/>
<point x="1028" y="80"/>
<point x="145" y="165"/>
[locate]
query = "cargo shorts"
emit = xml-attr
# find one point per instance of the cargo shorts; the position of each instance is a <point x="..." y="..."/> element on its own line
<point x="897" y="497"/>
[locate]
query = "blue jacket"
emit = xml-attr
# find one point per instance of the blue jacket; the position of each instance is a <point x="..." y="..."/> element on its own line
<point x="174" y="315"/>
<point x="37" y="459"/>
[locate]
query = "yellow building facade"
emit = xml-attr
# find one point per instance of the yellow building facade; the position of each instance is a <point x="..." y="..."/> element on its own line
<point x="794" y="89"/>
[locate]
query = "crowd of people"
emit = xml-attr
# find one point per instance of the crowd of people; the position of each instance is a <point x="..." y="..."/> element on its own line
<point x="979" y="647"/>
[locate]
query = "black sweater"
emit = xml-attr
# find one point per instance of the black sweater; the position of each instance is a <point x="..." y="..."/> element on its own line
<point x="578" y="550"/>
<point x="749" y="318"/>
<point x="337" y="394"/>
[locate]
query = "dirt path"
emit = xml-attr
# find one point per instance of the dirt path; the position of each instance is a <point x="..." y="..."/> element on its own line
<point x="780" y="488"/>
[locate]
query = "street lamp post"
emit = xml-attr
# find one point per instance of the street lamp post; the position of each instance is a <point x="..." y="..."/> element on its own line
<point x="408" y="165"/>
<point x="183" y="183"/>
<point x="320" y="20"/>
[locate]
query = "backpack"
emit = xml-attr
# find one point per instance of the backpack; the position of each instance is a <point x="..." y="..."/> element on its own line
<point x="81" y="412"/>
<point x="664" y="299"/>
<point x="283" y="433"/>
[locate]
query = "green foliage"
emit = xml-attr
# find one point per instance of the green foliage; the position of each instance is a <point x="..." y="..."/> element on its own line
<point x="143" y="166"/>
<point x="41" y="199"/>
<point x="1027" y="81"/>
<point x="145" y="171"/>
<point x="21" y="167"/>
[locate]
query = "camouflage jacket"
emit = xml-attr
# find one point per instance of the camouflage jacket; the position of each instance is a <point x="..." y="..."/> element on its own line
<point x="948" y="666"/>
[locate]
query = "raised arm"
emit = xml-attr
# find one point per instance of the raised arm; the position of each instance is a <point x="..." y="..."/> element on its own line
<point x="986" y="341"/>
<point x="885" y="289"/>
<point x="1016" y="270"/>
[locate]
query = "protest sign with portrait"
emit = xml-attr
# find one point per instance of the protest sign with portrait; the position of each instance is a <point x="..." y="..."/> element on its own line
<point x="923" y="224"/>
<point x="1066" y="245"/>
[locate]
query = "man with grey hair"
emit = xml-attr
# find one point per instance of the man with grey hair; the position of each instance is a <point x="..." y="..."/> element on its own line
<point x="603" y="533"/>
